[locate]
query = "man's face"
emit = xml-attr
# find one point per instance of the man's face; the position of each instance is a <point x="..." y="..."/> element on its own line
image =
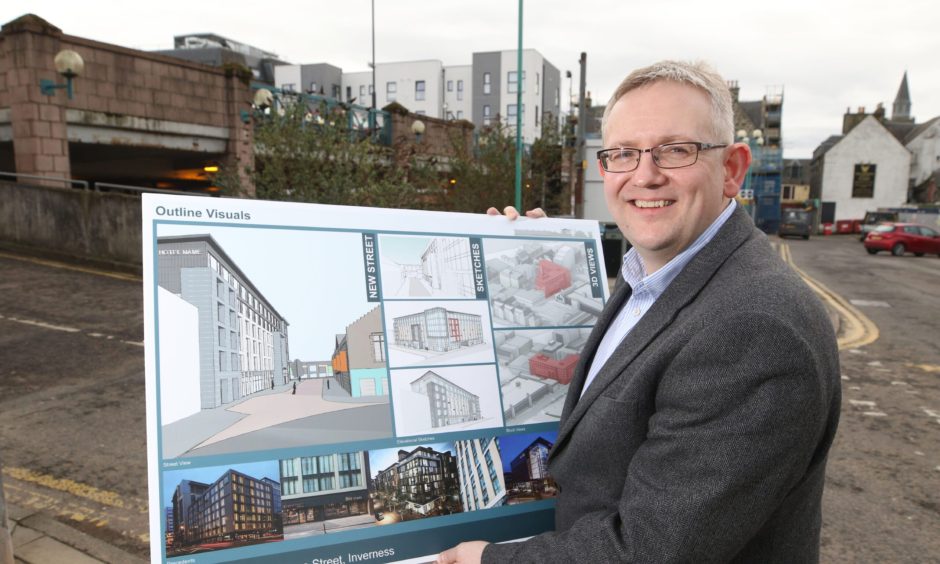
<point x="662" y="211"/>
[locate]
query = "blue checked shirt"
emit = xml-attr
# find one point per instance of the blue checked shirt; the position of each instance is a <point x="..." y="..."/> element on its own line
<point x="646" y="290"/>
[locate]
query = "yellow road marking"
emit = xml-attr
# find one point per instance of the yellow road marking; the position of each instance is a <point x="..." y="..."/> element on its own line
<point x="77" y="489"/>
<point x="856" y="328"/>
<point x="925" y="367"/>
<point x="65" y="266"/>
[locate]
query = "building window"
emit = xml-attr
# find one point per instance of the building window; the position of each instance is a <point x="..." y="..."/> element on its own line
<point x="221" y="361"/>
<point x="362" y="90"/>
<point x="290" y="87"/>
<point x="421" y="113"/>
<point x="391" y="89"/>
<point x="419" y="90"/>
<point x="378" y="346"/>
<point x="487" y="83"/>
<point x="512" y="82"/>
<point x="486" y="114"/>
<point x="459" y="90"/>
<point x="459" y="114"/>
<point x="335" y="91"/>
<point x="511" y="114"/>
<point x="348" y="93"/>
<point x="313" y="88"/>
<point x="450" y="85"/>
<point x="537" y="79"/>
<point x="221" y="336"/>
<point x="536" y="116"/>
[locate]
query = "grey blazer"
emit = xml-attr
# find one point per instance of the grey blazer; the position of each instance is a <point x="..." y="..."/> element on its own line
<point x="704" y="437"/>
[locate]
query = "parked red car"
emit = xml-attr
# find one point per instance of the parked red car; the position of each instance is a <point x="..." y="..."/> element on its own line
<point x="900" y="238"/>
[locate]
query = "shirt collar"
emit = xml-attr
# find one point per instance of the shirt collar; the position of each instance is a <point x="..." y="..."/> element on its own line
<point x="633" y="271"/>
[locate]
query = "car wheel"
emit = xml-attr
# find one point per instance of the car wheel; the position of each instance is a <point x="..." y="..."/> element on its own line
<point x="898" y="249"/>
<point x="873" y="251"/>
<point x="918" y="254"/>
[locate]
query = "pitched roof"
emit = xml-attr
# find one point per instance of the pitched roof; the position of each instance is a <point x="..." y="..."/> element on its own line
<point x="918" y="129"/>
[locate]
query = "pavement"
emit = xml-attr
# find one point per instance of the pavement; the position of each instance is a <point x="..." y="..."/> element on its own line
<point x="40" y="539"/>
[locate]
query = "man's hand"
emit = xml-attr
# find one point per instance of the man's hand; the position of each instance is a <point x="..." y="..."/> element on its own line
<point x="512" y="213"/>
<point x="464" y="553"/>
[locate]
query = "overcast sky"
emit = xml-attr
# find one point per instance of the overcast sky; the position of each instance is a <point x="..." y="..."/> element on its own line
<point x="826" y="54"/>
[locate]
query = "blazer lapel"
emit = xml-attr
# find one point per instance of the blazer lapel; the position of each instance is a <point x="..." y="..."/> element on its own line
<point x="680" y="292"/>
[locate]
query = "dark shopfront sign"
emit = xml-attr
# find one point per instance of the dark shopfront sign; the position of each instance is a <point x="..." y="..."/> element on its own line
<point x="863" y="181"/>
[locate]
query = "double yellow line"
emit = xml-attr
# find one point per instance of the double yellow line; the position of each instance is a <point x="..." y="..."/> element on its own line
<point x="855" y="329"/>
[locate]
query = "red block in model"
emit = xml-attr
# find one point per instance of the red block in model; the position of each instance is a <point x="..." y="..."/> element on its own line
<point x="552" y="278"/>
<point x="559" y="370"/>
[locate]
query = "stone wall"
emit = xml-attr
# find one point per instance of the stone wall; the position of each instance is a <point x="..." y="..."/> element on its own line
<point x="86" y="225"/>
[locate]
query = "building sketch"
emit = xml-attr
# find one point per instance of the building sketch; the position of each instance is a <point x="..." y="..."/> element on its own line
<point x="421" y="483"/>
<point x="536" y="367"/>
<point x="449" y="403"/>
<point x="539" y="283"/>
<point x="438" y="329"/>
<point x="316" y="489"/>
<point x="426" y="267"/>
<point x="242" y="339"/>
<point x="480" y="473"/>
<point x="359" y="364"/>
<point x="236" y="509"/>
<point x="445" y="399"/>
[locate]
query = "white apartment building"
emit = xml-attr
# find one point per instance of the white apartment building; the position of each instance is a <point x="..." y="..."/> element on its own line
<point x="482" y="92"/>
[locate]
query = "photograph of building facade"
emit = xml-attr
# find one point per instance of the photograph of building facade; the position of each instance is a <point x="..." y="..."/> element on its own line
<point x="243" y="344"/>
<point x="480" y="472"/>
<point x="528" y="477"/>
<point x="421" y="483"/>
<point x="236" y="509"/>
<point x="321" y="488"/>
<point x="359" y="362"/>
<point x="438" y="329"/>
<point x="449" y="404"/>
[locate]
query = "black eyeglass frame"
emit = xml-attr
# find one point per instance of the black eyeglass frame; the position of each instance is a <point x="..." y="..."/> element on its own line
<point x="699" y="146"/>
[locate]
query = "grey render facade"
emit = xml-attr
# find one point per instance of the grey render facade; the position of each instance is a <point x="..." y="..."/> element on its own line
<point x="494" y="97"/>
<point x="479" y="468"/>
<point x="243" y="345"/>
<point x="449" y="403"/>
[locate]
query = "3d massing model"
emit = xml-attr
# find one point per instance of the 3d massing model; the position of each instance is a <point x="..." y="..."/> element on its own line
<point x="438" y="329"/>
<point x="449" y="403"/>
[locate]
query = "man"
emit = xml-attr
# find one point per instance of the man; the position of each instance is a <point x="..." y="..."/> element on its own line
<point x="697" y="426"/>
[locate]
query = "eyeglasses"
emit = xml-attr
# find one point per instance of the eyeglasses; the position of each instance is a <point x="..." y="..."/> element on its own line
<point x="667" y="155"/>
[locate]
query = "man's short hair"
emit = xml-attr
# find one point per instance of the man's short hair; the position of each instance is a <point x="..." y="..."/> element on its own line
<point x="696" y="74"/>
